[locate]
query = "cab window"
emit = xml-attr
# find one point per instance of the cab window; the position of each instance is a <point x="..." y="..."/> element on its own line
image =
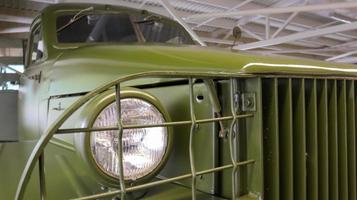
<point x="119" y="27"/>
<point x="36" y="51"/>
<point x="95" y="28"/>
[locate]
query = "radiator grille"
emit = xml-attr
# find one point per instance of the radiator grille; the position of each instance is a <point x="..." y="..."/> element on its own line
<point x="309" y="138"/>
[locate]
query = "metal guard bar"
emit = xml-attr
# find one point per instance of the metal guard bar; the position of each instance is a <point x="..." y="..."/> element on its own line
<point x="169" y="180"/>
<point x="166" y="124"/>
<point x="37" y="152"/>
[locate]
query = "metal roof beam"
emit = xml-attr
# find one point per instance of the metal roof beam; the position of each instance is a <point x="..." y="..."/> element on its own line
<point x="286" y="23"/>
<point x="338" y="57"/>
<point x="280" y="10"/>
<point x="305" y="54"/>
<point x="279" y="4"/>
<point x="347" y="60"/>
<point x="24" y="29"/>
<point x="250" y="33"/>
<point x="15" y="19"/>
<point x="214" y="3"/>
<point x="231" y="9"/>
<point x="349" y="44"/>
<point x="298" y="36"/>
<point x="290" y="51"/>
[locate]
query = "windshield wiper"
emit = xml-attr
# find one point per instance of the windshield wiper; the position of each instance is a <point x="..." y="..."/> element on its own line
<point x="75" y="18"/>
<point x="148" y="20"/>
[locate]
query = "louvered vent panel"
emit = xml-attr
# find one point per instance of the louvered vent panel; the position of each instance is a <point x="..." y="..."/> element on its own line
<point x="309" y="139"/>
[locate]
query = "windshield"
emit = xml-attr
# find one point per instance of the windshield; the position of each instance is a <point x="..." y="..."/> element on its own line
<point x="119" y="27"/>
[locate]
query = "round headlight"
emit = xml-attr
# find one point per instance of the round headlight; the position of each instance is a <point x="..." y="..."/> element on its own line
<point x="143" y="148"/>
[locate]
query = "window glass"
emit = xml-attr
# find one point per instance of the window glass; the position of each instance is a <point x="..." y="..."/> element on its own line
<point x="163" y="32"/>
<point x="37" y="45"/>
<point x="119" y="27"/>
<point x="95" y="28"/>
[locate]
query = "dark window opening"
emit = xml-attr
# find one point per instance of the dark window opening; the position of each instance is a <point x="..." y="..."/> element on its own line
<point x="96" y="28"/>
<point x="122" y="27"/>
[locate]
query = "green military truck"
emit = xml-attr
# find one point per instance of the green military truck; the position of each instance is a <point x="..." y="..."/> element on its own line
<point x="117" y="103"/>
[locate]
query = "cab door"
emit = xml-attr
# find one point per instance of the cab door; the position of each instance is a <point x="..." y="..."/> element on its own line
<point x="33" y="87"/>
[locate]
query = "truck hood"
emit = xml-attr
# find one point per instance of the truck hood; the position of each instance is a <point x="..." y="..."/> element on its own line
<point x="85" y="68"/>
<point x="151" y="57"/>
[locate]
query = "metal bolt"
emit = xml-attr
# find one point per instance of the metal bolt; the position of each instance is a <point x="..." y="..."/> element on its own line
<point x="249" y="102"/>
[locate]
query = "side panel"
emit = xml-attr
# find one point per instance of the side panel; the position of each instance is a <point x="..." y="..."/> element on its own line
<point x="205" y="139"/>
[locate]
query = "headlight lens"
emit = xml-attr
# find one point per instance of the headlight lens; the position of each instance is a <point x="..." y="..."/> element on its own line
<point x="143" y="148"/>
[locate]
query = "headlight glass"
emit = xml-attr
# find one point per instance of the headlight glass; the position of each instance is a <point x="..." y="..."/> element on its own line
<point x="143" y="148"/>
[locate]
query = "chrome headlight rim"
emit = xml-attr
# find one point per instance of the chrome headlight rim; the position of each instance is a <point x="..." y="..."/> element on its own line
<point x="101" y="104"/>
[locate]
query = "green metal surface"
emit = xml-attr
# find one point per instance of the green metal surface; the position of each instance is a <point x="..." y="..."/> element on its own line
<point x="176" y="192"/>
<point x="224" y="155"/>
<point x="246" y="131"/>
<point x="311" y="139"/>
<point x="165" y="181"/>
<point x="333" y="142"/>
<point x="299" y="139"/>
<point x="192" y="131"/>
<point x="9" y="169"/>
<point x="231" y="137"/>
<point x="44" y="140"/>
<point x="286" y="138"/>
<point x="351" y="140"/>
<point x="271" y="139"/>
<point x="254" y="137"/>
<point x="127" y="59"/>
<point x="178" y="102"/>
<point x="323" y="149"/>
<point x="342" y="140"/>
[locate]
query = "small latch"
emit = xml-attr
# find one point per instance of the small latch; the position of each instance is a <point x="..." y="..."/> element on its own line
<point x="248" y="102"/>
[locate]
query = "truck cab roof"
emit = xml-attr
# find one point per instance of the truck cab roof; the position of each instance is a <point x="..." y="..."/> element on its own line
<point x="66" y="26"/>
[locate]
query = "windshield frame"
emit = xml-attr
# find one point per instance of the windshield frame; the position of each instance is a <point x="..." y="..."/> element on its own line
<point x="61" y="45"/>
